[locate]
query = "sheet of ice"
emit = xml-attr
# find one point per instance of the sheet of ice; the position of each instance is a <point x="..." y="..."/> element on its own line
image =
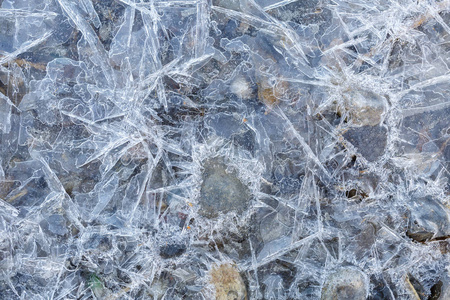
<point x="201" y="149"/>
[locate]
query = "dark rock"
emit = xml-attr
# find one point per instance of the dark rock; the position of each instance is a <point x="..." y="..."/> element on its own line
<point x="221" y="191"/>
<point x="445" y="289"/>
<point x="381" y="289"/>
<point x="172" y="250"/>
<point x="435" y="291"/>
<point x="370" y="141"/>
<point x="429" y="219"/>
<point x="246" y="140"/>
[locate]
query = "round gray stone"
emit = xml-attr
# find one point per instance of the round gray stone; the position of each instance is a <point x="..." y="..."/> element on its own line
<point x="221" y="190"/>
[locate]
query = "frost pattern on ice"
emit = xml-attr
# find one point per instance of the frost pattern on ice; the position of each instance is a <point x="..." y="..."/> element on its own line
<point x="152" y="149"/>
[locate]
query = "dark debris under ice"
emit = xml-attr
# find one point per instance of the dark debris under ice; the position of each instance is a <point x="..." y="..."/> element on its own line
<point x="224" y="149"/>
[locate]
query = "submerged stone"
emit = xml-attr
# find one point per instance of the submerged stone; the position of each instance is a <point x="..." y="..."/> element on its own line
<point x="429" y="219"/>
<point x="222" y="191"/>
<point x="370" y="141"/>
<point x="441" y="289"/>
<point x="228" y="283"/>
<point x="345" y="284"/>
<point x="172" y="250"/>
